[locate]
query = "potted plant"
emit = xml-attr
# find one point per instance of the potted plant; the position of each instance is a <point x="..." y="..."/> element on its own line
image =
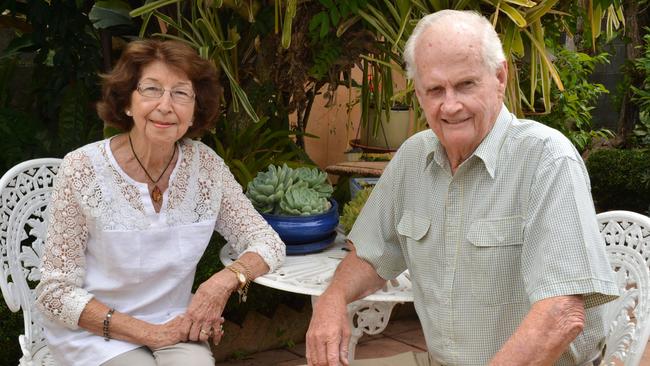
<point x="353" y="208"/>
<point x="390" y="130"/>
<point x="382" y="129"/>
<point x="297" y="203"/>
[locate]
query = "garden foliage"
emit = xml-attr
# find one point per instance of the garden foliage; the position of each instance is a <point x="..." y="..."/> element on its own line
<point x="571" y="112"/>
<point x="620" y="179"/>
<point x="353" y="208"/>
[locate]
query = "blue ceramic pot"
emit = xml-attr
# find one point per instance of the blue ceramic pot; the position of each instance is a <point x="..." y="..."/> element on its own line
<point x="295" y="230"/>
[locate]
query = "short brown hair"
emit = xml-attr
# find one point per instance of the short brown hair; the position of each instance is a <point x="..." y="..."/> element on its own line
<point x="118" y="85"/>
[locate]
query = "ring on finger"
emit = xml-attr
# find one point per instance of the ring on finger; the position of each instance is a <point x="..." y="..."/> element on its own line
<point x="203" y="331"/>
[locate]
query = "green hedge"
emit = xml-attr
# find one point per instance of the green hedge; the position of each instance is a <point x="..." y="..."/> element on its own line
<point x="11" y="325"/>
<point x="620" y="179"/>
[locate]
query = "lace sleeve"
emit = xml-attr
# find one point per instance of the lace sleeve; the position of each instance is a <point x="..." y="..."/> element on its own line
<point x="243" y="227"/>
<point x="59" y="294"/>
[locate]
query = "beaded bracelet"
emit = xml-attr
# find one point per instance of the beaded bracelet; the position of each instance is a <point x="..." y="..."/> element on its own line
<point x="107" y="323"/>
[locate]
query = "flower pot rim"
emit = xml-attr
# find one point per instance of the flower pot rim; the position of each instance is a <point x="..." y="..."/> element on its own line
<point x="370" y="149"/>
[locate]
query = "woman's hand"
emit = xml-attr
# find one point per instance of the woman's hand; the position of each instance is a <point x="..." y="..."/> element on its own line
<point x="207" y="305"/>
<point x="170" y="333"/>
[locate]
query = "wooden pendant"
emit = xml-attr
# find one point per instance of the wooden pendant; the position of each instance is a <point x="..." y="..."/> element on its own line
<point x="156" y="195"/>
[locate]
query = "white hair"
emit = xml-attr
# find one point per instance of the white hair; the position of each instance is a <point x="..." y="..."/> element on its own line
<point x="491" y="47"/>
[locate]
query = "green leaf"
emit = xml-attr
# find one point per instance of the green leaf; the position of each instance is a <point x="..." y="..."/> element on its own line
<point x="149" y="7"/>
<point x="290" y="13"/>
<point x="462" y="4"/>
<point x="110" y="13"/>
<point x="524" y="3"/>
<point x="402" y="29"/>
<point x="534" y="63"/>
<point x="543" y="8"/>
<point x="343" y="27"/>
<point x="17" y="46"/>
<point x="538" y="42"/>
<point x="239" y="93"/>
<point x="595" y="17"/>
<point x="286" y="33"/>
<point x="513" y="92"/>
<point x="329" y="4"/>
<point x="335" y="16"/>
<point x="316" y="20"/>
<point x="514" y="15"/>
<point x="324" y="27"/>
<point x="438" y="4"/>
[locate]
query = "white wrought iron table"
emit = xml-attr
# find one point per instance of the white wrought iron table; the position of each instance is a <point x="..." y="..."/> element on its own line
<point x="310" y="274"/>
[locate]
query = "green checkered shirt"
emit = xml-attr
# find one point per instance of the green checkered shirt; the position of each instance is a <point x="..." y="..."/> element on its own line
<point x="515" y="224"/>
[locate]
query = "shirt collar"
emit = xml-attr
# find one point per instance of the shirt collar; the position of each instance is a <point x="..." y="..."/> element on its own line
<point x="433" y="149"/>
<point x="487" y="151"/>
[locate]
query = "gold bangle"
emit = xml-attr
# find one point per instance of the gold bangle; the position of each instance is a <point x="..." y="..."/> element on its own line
<point x="243" y="283"/>
<point x="247" y="272"/>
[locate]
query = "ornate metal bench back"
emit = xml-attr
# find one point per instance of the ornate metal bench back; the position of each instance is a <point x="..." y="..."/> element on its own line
<point x="24" y="194"/>
<point x="627" y="237"/>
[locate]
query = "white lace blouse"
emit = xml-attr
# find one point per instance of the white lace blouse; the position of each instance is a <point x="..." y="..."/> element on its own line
<point x="105" y="240"/>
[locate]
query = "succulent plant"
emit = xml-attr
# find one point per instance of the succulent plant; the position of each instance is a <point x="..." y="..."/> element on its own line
<point x="285" y="191"/>
<point x="316" y="179"/>
<point x="267" y="188"/>
<point x="301" y="200"/>
<point x="352" y="209"/>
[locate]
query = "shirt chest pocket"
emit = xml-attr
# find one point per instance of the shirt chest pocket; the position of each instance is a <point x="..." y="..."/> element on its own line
<point x="413" y="226"/>
<point x="495" y="253"/>
<point x="413" y="229"/>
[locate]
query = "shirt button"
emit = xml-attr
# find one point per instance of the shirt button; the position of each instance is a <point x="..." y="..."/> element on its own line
<point x="446" y="301"/>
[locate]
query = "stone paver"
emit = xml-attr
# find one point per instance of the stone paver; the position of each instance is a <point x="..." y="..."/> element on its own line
<point x="414" y="338"/>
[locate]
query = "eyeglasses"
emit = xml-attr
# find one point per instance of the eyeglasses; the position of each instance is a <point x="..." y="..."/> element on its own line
<point x="179" y="95"/>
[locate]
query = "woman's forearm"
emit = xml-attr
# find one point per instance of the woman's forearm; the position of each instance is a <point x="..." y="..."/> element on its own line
<point x="122" y="326"/>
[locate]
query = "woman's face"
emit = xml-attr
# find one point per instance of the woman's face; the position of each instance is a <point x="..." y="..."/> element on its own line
<point x="163" y="104"/>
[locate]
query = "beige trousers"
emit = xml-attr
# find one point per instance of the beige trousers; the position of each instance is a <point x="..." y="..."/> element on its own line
<point x="180" y="354"/>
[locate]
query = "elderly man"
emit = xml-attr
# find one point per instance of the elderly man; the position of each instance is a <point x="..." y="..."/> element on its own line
<point x="491" y="214"/>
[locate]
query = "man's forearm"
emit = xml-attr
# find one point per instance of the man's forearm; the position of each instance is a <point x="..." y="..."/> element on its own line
<point x="355" y="278"/>
<point x="545" y="333"/>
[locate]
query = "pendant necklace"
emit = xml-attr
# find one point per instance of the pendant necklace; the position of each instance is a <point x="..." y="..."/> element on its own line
<point x="156" y="193"/>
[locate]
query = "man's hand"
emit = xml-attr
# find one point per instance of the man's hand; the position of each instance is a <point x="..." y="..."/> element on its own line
<point x="328" y="336"/>
<point x="329" y="332"/>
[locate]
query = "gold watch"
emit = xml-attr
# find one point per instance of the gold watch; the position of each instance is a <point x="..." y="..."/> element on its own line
<point x="242" y="290"/>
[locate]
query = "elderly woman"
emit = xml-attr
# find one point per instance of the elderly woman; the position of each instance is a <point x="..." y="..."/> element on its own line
<point x="131" y="216"/>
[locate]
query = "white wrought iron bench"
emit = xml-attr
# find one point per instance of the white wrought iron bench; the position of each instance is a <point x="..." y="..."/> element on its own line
<point x="25" y="191"/>
<point x="627" y="239"/>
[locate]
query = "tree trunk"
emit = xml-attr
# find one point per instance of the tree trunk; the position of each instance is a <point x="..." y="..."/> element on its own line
<point x="629" y="115"/>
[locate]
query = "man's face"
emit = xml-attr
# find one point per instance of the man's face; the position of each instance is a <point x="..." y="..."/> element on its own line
<point x="459" y="95"/>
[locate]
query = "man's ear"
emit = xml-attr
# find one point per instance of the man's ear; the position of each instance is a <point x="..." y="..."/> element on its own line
<point x="417" y="90"/>
<point x="502" y="76"/>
